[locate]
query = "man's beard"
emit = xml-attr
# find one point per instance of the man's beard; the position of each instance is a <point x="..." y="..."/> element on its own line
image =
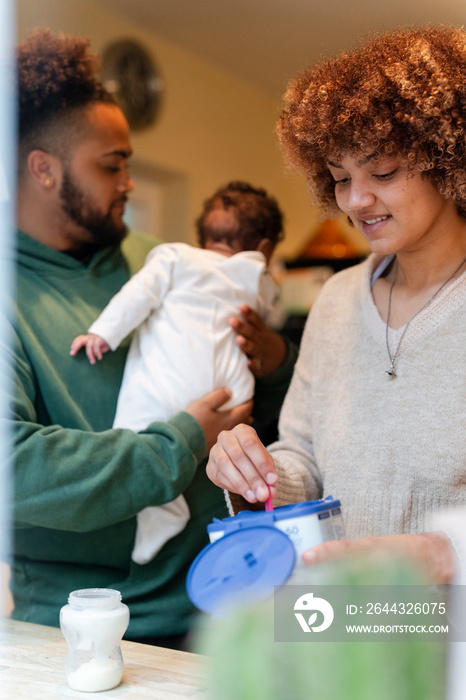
<point x="103" y="230"/>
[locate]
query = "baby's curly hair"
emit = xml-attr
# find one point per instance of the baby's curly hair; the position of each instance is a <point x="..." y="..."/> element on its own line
<point x="402" y="93"/>
<point x="252" y="215"/>
<point x="56" y="78"/>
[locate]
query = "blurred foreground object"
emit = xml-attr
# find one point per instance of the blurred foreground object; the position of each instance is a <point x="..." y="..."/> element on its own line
<point x="245" y="663"/>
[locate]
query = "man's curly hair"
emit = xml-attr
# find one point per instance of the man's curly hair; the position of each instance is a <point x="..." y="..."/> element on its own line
<point x="252" y="215"/>
<point x="56" y="79"/>
<point x="402" y="93"/>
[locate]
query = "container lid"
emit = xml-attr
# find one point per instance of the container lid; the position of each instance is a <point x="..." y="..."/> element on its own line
<point x="95" y="599"/>
<point x="253" y="518"/>
<point x="242" y="565"/>
<point x="295" y="510"/>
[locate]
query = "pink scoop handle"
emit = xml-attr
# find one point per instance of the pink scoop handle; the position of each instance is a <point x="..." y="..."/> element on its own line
<point x="268" y="503"/>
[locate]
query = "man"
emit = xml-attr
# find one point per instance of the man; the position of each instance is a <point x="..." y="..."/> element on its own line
<point x="79" y="484"/>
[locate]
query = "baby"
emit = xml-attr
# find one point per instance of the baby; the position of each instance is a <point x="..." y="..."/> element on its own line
<point x="183" y="347"/>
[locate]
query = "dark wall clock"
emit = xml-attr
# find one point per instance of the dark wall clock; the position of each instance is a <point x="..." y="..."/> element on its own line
<point x="132" y="77"/>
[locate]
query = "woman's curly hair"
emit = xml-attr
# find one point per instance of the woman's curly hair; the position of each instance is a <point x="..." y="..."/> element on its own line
<point x="402" y="93"/>
<point x="56" y="76"/>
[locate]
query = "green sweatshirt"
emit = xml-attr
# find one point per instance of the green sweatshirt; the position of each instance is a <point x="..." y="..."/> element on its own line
<point x="78" y="484"/>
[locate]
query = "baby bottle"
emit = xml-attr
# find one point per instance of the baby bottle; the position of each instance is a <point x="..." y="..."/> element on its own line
<point x="93" y="623"/>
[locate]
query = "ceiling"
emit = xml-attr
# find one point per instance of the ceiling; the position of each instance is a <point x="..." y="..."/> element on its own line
<point x="266" y="42"/>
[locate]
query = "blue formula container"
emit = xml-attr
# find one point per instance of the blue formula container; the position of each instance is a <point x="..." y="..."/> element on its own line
<point x="252" y="552"/>
<point x="307" y="524"/>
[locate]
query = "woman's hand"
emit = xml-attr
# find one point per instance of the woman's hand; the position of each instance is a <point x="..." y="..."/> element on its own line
<point x="211" y="420"/>
<point x="265" y="349"/>
<point x="240" y="463"/>
<point x="432" y="551"/>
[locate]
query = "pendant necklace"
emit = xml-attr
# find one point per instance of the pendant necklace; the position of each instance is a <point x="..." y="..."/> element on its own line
<point x="392" y="369"/>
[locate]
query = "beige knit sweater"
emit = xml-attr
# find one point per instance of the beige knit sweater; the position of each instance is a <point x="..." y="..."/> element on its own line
<point x="392" y="449"/>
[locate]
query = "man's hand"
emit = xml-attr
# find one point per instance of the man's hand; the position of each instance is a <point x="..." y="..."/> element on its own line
<point x="431" y="551"/>
<point x="94" y="344"/>
<point x="265" y="349"/>
<point x="213" y="421"/>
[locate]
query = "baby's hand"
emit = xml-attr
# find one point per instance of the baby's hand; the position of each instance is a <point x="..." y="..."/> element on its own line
<point x="94" y="344"/>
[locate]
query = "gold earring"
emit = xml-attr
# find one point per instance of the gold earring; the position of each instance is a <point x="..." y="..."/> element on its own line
<point x="47" y="182"/>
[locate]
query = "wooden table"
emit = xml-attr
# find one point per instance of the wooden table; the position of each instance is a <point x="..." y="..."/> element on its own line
<point x="32" y="667"/>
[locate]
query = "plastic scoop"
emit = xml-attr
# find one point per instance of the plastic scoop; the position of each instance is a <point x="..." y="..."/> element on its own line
<point x="268" y="503"/>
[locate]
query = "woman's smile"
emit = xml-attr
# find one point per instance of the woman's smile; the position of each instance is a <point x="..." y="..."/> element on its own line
<point x="394" y="209"/>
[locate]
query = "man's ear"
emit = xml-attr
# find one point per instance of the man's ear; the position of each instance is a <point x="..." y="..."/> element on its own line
<point x="44" y="168"/>
<point x="266" y="246"/>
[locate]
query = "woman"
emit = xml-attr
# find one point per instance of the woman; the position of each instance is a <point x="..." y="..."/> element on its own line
<point x="375" y="411"/>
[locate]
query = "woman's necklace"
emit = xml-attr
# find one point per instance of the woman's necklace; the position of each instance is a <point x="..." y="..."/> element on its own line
<point x="392" y="369"/>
